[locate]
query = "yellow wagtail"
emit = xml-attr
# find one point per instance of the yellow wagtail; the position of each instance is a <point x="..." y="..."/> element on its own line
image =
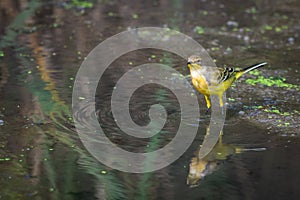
<point x="214" y="81"/>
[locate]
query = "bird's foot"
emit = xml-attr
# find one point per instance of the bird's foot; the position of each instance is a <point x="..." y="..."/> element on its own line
<point x="206" y="112"/>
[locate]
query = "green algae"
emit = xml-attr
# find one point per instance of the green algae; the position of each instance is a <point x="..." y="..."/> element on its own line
<point x="215" y="48"/>
<point x="276" y="111"/>
<point x="272" y="81"/>
<point x="5" y="159"/>
<point x="255" y="72"/>
<point x="135" y="16"/>
<point x="268" y="27"/>
<point x="82" y="4"/>
<point x="199" y="30"/>
<point x="251" y="10"/>
<point x="231" y="99"/>
<point x="275" y="28"/>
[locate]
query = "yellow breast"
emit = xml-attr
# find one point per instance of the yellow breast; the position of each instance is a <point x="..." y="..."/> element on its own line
<point x="200" y="83"/>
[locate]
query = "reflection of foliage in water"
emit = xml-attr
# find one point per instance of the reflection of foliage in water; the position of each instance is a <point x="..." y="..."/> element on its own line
<point x="18" y="25"/>
<point x="113" y="188"/>
<point x="218" y="187"/>
<point x="12" y="175"/>
<point x="146" y="182"/>
<point x="58" y="112"/>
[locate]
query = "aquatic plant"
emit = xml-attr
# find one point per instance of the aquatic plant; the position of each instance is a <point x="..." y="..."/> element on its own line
<point x="81" y="4"/>
<point x="271" y="81"/>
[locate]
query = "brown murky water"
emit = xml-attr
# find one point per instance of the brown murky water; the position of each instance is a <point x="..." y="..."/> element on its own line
<point x="42" y="46"/>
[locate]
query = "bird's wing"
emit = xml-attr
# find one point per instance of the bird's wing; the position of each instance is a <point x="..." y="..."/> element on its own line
<point x="224" y="74"/>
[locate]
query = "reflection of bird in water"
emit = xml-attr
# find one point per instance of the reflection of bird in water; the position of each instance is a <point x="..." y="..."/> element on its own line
<point x="199" y="168"/>
<point x="214" y="81"/>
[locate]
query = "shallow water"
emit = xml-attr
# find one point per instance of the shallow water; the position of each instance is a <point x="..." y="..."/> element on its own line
<point x="42" y="46"/>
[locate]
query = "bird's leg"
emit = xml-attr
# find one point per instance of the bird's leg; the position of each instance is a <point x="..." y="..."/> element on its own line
<point x="221" y="101"/>
<point x="220" y="136"/>
<point x="207" y="103"/>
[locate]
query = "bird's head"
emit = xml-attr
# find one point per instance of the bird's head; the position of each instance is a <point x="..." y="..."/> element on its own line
<point x="194" y="62"/>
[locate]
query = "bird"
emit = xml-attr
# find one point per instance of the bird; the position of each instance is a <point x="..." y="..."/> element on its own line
<point x="214" y="81"/>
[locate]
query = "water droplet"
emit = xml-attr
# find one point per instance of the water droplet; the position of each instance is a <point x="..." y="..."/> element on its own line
<point x="291" y="40"/>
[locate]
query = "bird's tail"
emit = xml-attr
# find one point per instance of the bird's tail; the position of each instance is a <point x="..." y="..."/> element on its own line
<point x="248" y="69"/>
<point x="252" y="67"/>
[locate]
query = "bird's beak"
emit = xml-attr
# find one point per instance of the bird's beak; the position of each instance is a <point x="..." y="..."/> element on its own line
<point x="189" y="64"/>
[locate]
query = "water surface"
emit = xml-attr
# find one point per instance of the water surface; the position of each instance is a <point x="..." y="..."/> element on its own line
<point x="42" y="46"/>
